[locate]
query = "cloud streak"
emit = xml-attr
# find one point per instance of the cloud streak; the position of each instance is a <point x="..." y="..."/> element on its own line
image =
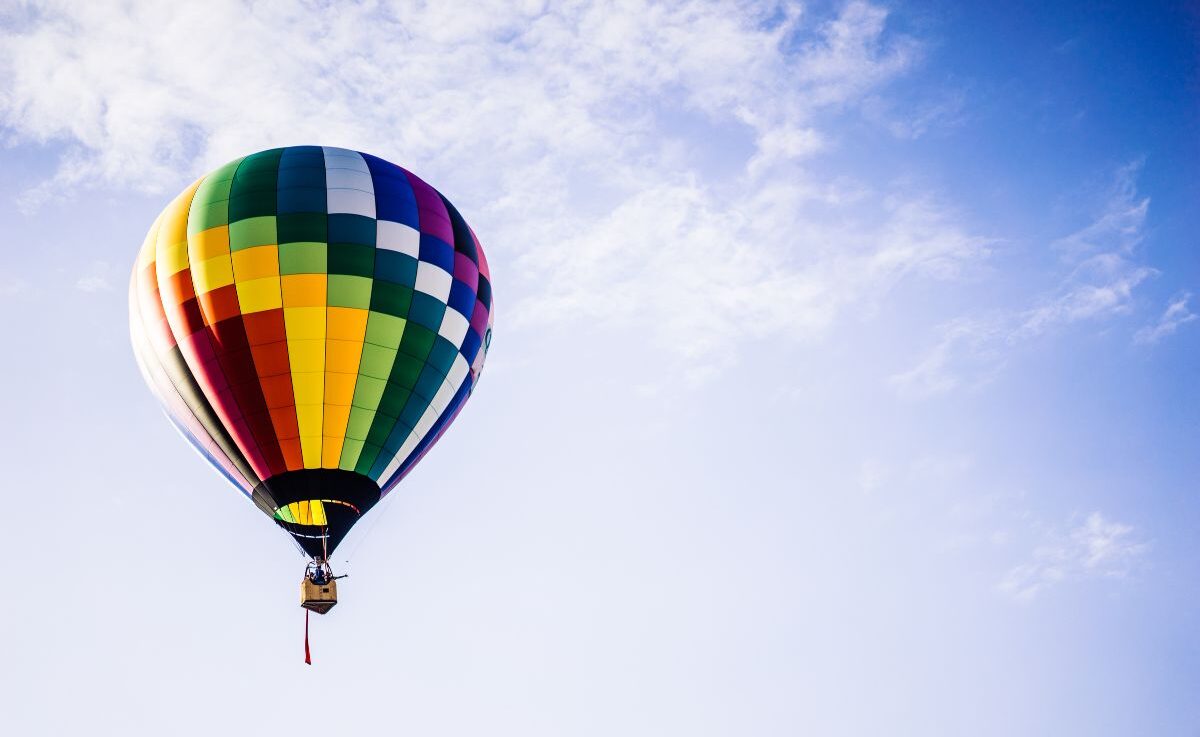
<point x="1174" y="317"/>
<point x="1103" y="272"/>
<point x="1095" y="548"/>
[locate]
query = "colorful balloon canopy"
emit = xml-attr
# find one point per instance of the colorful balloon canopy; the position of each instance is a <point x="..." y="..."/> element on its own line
<point x="312" y="320"/>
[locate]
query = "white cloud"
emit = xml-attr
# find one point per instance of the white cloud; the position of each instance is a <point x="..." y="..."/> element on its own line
<point x="1102" y="272"/>
<point x="97" y="279"/>
<point x="556" y="127"/>
<point x="1119" y="227"/>
<point x="1096" y="548"/>
<point x="1177" y="313"/>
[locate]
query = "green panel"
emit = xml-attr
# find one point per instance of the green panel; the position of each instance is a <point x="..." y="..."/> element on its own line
<point x="368" y="391"/>
<point x="351" y="258"/>
<point x="406" y="370"/>
<point x="252" y="232"/>
<point x="417" y="340"/>
<point x="302" y="258"/>
<point x="366" y="458"/>
<point x="303" y="226"/>
<point x="203" y="217"/>
<point x="360" y="423"/>
<point x="253" y="193"/>
<point x="351" y="449"/>
<point x="349" y="291"/>
<point x="382" y="329"/>
<point x="392" y="299"/>
<point x="376" y="361"/>
<point x="380" y="429"/>
<point x="394" y="400"/>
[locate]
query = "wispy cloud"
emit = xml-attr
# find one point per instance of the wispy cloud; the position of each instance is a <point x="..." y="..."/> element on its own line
<point x="1095" y="548"/>
<point x="1102" y="270"/>
<point x="556" y="127"/>
<point x="1177" y="314"/>
<point x="97" y="279"/>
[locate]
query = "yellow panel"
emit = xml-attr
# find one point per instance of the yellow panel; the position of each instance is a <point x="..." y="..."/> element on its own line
<point x="305" y="515"/>
<point x="147" y="254"/>
<point x="212" y="274"/>
<point x="318" y="512"/>
<point x="347" y="323"/>
<point x="171" y="243"/>
<point x="259" y="294"/>
<point x="306" y="355"/>
<point x="339" y="389"/>
<point x="256" y="263"/>
<point x="173" y="258"/>
<point x="310" y="447"/>
<point x="304" y="290"/>
<point x="304" y="323"/>
<point x="209" y="243"/>
<point x="342" y="356"/>
<point x="309" y="389"/>
<point x="308" y="416"/>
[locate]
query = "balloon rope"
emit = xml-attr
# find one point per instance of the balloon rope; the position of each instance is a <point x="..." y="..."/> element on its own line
<point x="307" y="654"/>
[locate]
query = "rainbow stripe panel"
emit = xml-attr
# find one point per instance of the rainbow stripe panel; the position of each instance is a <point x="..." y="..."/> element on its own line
<point x="307" y="315"/>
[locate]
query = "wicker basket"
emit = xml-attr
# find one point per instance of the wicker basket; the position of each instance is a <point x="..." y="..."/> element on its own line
<point x="319" y="598"/>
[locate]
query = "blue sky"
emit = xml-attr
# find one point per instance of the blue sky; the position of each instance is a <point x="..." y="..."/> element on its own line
<point x="843" y="380"/>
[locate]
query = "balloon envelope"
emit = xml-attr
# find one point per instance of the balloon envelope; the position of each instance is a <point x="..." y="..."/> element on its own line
<point x="312" y="319"/>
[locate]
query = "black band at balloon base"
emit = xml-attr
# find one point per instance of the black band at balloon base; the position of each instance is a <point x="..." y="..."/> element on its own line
<point x="352" y="493"/>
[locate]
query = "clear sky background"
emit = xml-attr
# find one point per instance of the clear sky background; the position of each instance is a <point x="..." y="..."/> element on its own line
<point x="844" y="378"/>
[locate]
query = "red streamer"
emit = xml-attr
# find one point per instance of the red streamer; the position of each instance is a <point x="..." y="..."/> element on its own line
<point x="307" y="654"/>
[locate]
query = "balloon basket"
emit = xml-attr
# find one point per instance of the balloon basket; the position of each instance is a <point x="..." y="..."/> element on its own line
<point x="318" y="598"/>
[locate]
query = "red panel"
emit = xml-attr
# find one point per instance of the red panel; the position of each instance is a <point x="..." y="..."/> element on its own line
<point x="286" y="426"/>
<point x="277" y="391"/>
<point x="271" y="359"/>
<point x="265" y="327"/>
<point x="185" y="317"/>
<point x="293" y="455"/>
<point x="219" y="304"/>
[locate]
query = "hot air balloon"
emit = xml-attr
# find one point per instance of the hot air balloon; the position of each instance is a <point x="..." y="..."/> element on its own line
<point x="312" y="319"/>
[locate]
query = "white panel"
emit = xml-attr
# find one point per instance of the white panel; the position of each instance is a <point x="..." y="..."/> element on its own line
<point x="398" y="237"/>
<point x="348" y="183"/>
<point x="433" y="280"/>
<point x="351" y="201"/>
<point x="454" y="326"/>
<point x="349" y="179"/>
<point x="458" y="371"/>
<point x="343" y="158"/>
<point x="425" y="424"/>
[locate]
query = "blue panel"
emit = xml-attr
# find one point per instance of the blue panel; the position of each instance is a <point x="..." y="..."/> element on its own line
<point x="462" y="298"/>
<point x="302" y="157"/>
<point x="394" y="198"/>
<point x="470" y="346"/>
<point x="345" y="228"/>
<point x="436" y="251"/>
<point x="427" y="311"/>
<point x="396" y="267"/>
<point x="429" y="383"/>
<point x="302" y="199"/>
